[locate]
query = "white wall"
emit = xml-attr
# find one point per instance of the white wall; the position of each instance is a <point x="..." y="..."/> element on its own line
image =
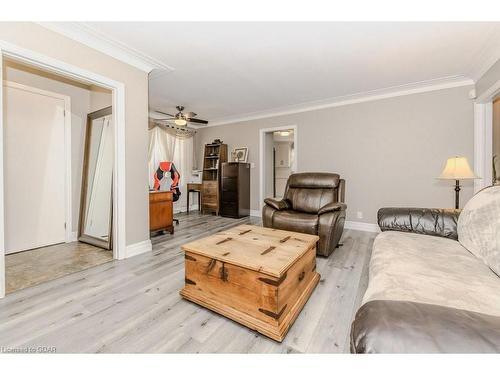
<point x="389" y="151"/>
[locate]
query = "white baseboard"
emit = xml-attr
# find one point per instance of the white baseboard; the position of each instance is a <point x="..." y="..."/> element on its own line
<point x="365" y="227"/>
<point x="138" y="248"/>
<point x="73" y="237"/>
<point x="255" y="213"/>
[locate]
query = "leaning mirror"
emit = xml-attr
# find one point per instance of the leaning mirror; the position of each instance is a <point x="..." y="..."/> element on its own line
<point x="96" y="209"/>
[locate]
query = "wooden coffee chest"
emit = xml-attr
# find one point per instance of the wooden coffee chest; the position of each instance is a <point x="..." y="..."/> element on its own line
<point x="259" y="277"/>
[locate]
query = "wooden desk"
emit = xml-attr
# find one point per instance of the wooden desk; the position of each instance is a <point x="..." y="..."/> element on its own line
<point x="161" y="211"/>
<point x="194" y="188"/>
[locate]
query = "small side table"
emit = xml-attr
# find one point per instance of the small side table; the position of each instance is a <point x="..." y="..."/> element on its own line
<point x="194" y="188"/>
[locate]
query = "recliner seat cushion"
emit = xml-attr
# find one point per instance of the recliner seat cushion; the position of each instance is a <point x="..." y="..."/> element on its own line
<point x="295" y="221"/>
<point x="479" y="226"/>
<point x="434" y="270"/>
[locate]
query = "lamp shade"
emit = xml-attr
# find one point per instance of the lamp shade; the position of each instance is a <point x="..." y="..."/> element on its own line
<point x="457" y="168"/>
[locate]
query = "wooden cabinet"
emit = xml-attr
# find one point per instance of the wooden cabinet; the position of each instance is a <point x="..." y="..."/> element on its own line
<point x="210" y="196"/>
<point x="235" y="190"/>
<point x="161" y="211"/>
<point x="214" y="155"/>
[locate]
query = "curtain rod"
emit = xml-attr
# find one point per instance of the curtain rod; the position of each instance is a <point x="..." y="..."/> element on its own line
<point x="157" y="123"/>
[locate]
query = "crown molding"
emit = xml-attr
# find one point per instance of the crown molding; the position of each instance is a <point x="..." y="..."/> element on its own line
<point x="91" y="37"/>
<point x="488" y="56"/>
<point x="368" y="96"/>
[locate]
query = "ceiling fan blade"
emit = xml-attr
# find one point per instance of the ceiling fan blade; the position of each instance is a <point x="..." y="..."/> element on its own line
<point x="189" y="114"/>
<point x="164" y="113"/>
<point x="197" y="121"/>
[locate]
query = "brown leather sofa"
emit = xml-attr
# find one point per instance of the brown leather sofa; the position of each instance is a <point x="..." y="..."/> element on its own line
<point x="313" y="204"/>
<point x="429" y="291"/>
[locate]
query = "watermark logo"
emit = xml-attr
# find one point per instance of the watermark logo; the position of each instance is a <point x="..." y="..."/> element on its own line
<point x="28" y="349"/>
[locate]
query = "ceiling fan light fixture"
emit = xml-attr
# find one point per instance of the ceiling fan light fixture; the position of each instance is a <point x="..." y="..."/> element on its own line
<point x="180" y="122"/>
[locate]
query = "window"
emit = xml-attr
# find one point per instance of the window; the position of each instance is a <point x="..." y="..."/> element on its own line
<point x="166" y="145"/>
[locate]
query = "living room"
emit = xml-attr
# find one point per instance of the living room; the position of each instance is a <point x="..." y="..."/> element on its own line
<point x="272" y="187"/>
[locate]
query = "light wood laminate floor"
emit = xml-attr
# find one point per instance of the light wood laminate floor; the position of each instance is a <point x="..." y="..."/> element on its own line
<point x="33" y="267"/>
<point x="134" y="305"/>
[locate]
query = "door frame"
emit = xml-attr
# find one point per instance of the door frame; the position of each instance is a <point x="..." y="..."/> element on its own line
<point x="68" y="211"/>
<point x="262" y="161"/>
<point x="483" y="136"/>
<point x="118" y="102"/>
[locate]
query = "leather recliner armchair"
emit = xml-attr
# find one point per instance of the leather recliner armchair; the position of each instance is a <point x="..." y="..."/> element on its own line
<point x="313" y="204"/>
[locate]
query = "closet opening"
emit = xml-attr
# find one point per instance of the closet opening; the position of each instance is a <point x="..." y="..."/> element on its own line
<point x="58" y="151"/>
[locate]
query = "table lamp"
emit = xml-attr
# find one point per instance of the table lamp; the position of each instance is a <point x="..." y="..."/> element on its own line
<point x="457" y="168"/>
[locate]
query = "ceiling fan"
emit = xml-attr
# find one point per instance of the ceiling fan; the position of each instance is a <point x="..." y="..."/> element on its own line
<point x="182" y="118"/>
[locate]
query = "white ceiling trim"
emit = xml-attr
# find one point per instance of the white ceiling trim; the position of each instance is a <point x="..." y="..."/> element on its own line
<point x="391" y="92"/>
<point x="487" y="57"/>
<point x="85" y="34"/>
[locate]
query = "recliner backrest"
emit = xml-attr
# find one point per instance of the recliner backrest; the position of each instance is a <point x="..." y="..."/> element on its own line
<point x="308" y="192"/>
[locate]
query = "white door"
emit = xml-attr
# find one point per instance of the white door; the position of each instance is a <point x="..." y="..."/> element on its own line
<point x="34" y="169"/>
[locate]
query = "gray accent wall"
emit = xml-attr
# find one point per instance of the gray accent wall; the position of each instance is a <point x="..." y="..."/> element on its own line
<point x="389" y="151"/>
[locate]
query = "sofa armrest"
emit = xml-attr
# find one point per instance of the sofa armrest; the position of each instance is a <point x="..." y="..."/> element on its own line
<point x="430" y="221"/>
<point x="388" y="326"/>
<point x="330" y="207"/>
<point x="276" y="204"/>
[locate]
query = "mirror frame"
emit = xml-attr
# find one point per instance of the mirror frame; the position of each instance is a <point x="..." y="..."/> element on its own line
<point x="108" y="245"/>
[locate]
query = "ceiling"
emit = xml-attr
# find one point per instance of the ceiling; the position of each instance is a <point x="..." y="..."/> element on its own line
<point x="228" y="71"/>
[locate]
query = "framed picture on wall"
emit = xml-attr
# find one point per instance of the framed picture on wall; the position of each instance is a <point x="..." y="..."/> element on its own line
<point x="240" y="154"/>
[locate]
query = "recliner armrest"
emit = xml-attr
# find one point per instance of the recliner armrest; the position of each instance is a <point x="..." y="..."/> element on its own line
<point x="276" y="204"/>
<point x="330" y="207"/>
<point x="431" y="221"/>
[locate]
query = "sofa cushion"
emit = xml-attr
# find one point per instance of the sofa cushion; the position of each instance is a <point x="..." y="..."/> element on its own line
<point x="434" y="270"/>
<point x="479" y="227"/>
<point x="295" y="221"/>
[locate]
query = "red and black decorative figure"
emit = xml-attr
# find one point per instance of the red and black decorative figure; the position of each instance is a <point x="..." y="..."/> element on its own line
<point x="165" y="167"/>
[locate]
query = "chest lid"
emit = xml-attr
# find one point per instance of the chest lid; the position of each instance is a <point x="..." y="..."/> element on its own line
<point x="266" y="250"/>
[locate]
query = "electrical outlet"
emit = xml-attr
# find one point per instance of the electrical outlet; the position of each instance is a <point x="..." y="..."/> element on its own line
<point x="359" y="215"/>
<point x="252" y="165"/>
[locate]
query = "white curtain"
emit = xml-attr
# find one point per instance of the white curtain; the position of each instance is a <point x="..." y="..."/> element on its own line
<point x="164" y="145"/>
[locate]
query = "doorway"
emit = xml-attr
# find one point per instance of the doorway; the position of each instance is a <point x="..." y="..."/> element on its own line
<point x="42" y="174"/>
<point x="278" y="160"/>
<point x="45" y="129"/>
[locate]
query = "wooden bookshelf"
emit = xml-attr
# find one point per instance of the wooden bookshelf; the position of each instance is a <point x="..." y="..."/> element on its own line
<point x="214" y="155"/>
